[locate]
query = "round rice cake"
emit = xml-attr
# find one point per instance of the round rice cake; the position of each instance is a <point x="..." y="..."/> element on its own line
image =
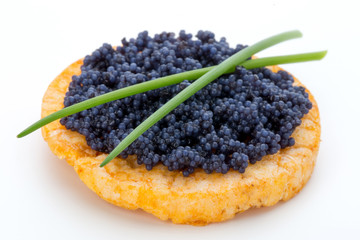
<point x="198" y="199"/>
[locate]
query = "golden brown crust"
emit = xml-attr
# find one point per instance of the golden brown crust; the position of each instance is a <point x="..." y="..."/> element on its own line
<point x="199" y="199"/>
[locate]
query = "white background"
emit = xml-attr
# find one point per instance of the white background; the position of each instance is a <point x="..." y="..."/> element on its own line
<point x="43" y="198"/>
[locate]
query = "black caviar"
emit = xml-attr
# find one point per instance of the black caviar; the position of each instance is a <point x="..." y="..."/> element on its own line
<point x="237" y="119"/>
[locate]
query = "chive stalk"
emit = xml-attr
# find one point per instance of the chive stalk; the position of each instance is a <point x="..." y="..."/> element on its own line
<point x="269" y="61"/>
<point x="163" y="82"/>
<point x="228" y="64"/>
<point x="115" y="95"/>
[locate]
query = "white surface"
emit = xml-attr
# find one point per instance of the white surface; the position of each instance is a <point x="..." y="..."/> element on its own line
<point x="43" y="198"/>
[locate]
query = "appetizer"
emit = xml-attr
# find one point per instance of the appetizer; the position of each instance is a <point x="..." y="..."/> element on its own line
<point x="230" y="135"/>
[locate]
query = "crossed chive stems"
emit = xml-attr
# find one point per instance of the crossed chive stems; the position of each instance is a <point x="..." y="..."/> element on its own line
<point x="202" y="77"/>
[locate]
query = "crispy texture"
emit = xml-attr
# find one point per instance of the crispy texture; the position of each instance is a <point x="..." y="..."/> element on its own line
<point x="199" y="199"/>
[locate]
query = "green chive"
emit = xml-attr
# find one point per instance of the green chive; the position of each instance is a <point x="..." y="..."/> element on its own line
<point x="269" y="61"/>
<point x="163" y="82"/>
<point x="204" y="80"/>
<point x="114" y="95"/>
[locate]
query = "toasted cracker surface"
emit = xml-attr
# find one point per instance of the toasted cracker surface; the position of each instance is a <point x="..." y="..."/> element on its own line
<point x="199" y="199"/>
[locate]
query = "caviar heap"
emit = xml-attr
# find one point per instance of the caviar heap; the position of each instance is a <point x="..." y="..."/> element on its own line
<point x="234" y="121"/>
